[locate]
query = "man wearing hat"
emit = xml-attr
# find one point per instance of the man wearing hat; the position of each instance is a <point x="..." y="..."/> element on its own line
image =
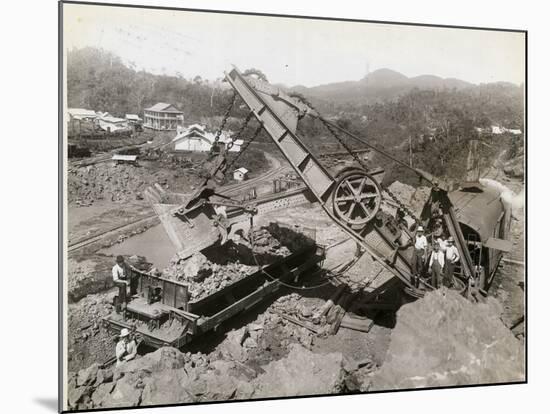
<point x="451" y="259"/>
<point x="121" y="278"/>
<point x="419" y="254"/>
<point x="126" y="347"/>
<point x="436" y="264"/>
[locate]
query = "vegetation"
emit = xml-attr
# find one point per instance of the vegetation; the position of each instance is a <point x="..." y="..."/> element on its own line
<point x="429" y="127"/>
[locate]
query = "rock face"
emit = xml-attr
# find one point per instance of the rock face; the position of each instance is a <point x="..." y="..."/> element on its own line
<point x="444" y="340"/>
<point x="301" y="373"/>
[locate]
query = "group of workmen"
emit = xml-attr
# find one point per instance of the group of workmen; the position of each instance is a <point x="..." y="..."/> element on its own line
<point x="438" y="260"/>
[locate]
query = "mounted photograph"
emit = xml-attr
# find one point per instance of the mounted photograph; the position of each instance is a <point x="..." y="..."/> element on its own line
<point x="267" y="206"/>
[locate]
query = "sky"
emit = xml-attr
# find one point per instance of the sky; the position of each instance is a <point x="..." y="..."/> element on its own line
<point x="289" y="50"/>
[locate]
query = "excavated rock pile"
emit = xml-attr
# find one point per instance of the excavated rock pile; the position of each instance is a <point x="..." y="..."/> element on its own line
<point x="119" y="183"/>
<point x="445" y="340"/>
<point x="217" y="268"/>
<point x="268" y="357"/>
<point x="269" y="336"/>
<point x="93" y="274"/>
<point x="168" y="376"/>
<point x="88" y="340"/>
<point x="203" y="276"/>
<point x="412" y="197"/>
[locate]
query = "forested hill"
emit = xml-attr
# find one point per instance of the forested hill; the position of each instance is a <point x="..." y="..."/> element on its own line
<point x="404" y="109"/>
<point x="99" y="80"/>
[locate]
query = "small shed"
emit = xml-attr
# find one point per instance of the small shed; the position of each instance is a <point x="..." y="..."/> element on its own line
<point x="240" y="174"/>
<point x="124" y="159"/>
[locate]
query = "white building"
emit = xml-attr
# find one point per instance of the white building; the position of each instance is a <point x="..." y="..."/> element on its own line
<point x="497" y="130"/>
<point x="240" y="174"/>
<point x="111" y="124"/>
<point x="195" y="138"/>
<point x="162" y="117"/>
<point x="81" y="114"/>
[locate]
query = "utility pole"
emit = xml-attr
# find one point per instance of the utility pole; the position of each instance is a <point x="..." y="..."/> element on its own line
<point x="410" y="152"/>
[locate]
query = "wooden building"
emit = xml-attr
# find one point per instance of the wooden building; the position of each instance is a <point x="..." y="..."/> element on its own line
<point x="162" y="117"/>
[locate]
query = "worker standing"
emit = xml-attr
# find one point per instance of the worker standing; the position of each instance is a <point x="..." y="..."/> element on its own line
<point x="436" y="264"/>
<point x="121" y="278"/>
<point x="451" y="260"/>
<point x="126" y="348"/>
<point x="419" y="254"/>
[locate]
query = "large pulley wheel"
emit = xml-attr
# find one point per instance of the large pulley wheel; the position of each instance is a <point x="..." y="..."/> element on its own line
<point x="357" y="198"/>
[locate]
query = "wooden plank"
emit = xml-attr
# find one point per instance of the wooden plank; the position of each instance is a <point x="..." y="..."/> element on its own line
<point x="327" y="306"/>
<point x="295" y="321"/>
<point x="361" y="325"/>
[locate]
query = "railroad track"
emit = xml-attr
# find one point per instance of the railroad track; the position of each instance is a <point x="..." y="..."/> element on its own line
<point x="226" y="190"/>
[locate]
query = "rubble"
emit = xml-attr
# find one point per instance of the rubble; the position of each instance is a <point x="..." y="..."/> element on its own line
<point x="411" y="196"/>
<point x="445" y="340"/>
<point x="205" y="277"/>
<point x="88" y="341"/>
<point x="218" y="267"/>
<point x="93" y="274"/>
<point x="87" y="276"/>
<point x="169" y="376"/>
<point x="122" y="183"/>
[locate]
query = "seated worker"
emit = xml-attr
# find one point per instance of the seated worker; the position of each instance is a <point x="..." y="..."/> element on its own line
<point x="436" y="264"/>
<point x="121" y="278"/>
<point x="126" y="348"/>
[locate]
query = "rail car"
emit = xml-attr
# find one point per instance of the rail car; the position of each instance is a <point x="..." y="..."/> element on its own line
<point x="161" y="313"/>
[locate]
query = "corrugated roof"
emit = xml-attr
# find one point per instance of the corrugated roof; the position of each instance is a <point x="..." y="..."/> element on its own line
<point x="164" y="107"/>
<point x="81" y="112"/>
<point x="120" y="157"/>
<point x="112" y="119"/>
<point x="242" y="170"/>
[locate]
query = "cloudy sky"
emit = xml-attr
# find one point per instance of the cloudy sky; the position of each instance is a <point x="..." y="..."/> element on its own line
<point x="291" y="51"/>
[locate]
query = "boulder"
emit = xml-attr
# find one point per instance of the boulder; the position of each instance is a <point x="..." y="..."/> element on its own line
<point x="126" y="393"/>
<point x="101" y="393"/>
<point x="445" y="340"/>
<point x="104" y="375"/>
<point x="87" y="376"/>
<point x="197" y="267"/>
<point x="169" y="388"/>
<point x="232" y="347"/>
<point x="75" y="395"/>
<point x="302" y="372"/>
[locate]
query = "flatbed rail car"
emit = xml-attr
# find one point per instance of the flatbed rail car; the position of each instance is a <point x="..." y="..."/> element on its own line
<point x="161" y="314"/>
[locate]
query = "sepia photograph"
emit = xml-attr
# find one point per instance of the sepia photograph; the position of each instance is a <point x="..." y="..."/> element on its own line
<point x="266" y="206"/>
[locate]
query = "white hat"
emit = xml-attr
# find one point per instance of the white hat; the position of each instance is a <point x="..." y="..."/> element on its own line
<point x="420" y="228"/>
<point x="124" y="332"/>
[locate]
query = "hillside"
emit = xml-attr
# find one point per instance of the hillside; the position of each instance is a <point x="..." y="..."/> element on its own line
<point x="385" y="85"/>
